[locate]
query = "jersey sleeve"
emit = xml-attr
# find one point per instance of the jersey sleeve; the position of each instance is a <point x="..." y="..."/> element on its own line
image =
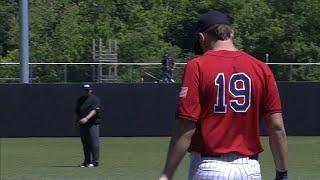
<point x="97" y="104"/>
<point x="189" y="105"/>
<point x="271" y="102"/>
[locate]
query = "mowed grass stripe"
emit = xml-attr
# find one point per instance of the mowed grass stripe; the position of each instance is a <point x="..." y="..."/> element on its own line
<point x="128" y="158"/>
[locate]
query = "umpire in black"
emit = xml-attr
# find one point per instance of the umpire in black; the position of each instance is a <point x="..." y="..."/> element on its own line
<point x="89" y="117"/>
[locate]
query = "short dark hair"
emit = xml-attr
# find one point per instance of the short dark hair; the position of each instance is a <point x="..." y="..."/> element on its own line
<point x="220" y="31"/>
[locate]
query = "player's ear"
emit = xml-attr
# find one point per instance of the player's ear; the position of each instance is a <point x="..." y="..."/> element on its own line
<point x="232" y="34"/>
<point x="201" y="37"/>
<point x="199" y="45"/>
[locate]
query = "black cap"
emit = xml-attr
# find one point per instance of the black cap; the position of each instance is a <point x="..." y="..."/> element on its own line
<point x="211" y="18"/>
<point x="206" y="21"/>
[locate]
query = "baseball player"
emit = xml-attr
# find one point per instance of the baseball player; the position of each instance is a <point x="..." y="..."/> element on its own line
<point x="88" y="113"/>
<point x="224" y="95"/>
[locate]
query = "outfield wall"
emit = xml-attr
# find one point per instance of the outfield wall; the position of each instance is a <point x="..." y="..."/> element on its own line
<point x="129" y="109"/>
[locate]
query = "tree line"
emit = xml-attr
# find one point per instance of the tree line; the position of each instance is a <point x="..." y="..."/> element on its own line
<point x="62" y="31"/>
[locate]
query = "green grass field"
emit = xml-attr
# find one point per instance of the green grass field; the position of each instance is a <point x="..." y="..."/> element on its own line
<point x="128" y="159"/>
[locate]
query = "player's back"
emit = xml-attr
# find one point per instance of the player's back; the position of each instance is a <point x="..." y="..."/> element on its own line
<point x="232" y="97"/>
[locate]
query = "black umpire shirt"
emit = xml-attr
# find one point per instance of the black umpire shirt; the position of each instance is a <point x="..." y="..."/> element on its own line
<point x="85" y="104"/>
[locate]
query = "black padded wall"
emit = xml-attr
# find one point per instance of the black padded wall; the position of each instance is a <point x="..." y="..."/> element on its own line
<point x="129" y="109"/>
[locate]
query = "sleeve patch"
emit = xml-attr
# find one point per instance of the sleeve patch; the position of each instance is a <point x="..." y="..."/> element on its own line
<point x="183" y="92"/>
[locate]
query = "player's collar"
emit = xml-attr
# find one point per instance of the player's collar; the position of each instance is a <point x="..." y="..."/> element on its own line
<point x="225" y="53"/>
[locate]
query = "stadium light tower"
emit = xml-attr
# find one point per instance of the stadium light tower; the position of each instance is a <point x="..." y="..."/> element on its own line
<point x="24" y="41"/>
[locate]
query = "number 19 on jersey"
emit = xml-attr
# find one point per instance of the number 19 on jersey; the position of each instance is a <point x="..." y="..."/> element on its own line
<point x="239" y="88"/>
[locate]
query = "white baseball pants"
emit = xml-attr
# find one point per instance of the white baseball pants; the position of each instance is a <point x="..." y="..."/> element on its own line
<point x="226" y="167"/>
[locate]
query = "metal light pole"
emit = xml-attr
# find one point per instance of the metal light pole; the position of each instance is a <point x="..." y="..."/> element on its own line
<point x="24" y="41"/>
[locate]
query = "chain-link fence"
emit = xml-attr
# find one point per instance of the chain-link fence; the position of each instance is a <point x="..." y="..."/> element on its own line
<point x="90" y="72"/>
<point x="134" y="72"/>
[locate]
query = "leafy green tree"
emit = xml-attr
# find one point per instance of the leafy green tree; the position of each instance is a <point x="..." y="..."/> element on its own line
<point x="62" y="31"/>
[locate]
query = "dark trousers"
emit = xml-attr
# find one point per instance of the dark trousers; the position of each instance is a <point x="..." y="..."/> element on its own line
<point x="90" y="141"/>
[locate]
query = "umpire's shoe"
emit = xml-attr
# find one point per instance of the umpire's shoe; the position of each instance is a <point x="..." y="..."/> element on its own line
<point x="83" y="165"/>
<point x="95" y="164"/>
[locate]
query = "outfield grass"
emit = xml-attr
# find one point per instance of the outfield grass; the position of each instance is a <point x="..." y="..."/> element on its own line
<point x="128" y="159"/>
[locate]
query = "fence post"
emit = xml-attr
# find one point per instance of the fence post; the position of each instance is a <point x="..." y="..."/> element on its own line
<point x="267" y="57"/>
<point x="131" y="76"/>
<point x="141" y="74"/>
<point x="290" y="73"/>
<point x="65" y="73"/>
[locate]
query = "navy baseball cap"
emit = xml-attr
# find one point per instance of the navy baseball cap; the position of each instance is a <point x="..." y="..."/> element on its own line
<point x="211" y="18"/>
<point x="206" y="21"/>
